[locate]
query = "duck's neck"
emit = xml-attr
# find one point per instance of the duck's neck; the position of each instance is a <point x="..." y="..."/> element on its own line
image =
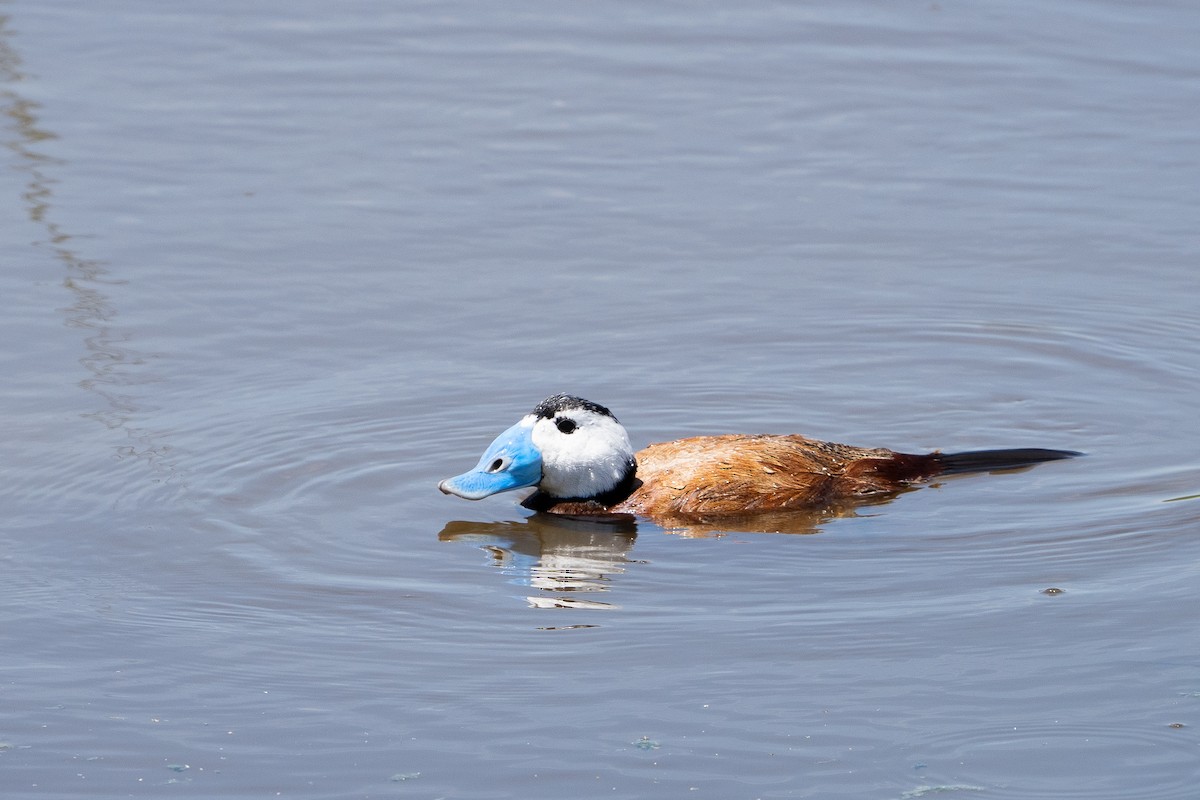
<point x="543" y="501"/>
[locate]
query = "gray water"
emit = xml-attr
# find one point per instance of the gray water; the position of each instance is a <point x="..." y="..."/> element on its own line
<point x="271" y="270"/>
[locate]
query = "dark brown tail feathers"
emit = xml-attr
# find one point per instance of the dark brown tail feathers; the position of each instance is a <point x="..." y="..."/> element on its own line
<point x="988" y="460"/>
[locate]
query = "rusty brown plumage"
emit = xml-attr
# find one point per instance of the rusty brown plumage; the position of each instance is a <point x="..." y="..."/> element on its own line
<point x="737" y="474"/>
<point x="740" y="474"/>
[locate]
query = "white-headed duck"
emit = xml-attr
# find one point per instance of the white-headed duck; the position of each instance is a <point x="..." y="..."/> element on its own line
<point x="580" y="459"/>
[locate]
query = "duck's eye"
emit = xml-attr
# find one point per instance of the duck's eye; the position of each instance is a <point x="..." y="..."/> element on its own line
<point x="566" y="425"/>
<point x="496" y="465"/>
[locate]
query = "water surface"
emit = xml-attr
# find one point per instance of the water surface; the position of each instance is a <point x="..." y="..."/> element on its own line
<point x="272" y="272"/>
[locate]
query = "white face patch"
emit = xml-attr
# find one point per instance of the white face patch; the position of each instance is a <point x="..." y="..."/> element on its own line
<point x="584" y="453"/>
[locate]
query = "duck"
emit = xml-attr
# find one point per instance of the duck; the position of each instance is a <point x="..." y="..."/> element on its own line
<point x="579" y="462"/>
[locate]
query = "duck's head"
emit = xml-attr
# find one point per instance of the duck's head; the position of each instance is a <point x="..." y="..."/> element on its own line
<point x="568" y="447"/>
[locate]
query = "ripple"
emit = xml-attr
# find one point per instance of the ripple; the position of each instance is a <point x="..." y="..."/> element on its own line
<point x="1067" y="760"/>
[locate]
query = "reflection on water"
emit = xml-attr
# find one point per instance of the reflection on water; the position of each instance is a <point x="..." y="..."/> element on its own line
<point x="567" y="561"/>
<point x="107" y="358"/>
<point x="570" y="559"/>
<point x="798" y="521"/>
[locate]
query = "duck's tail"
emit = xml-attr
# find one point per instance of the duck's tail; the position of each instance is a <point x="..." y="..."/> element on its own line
<point x="990" y="460"/>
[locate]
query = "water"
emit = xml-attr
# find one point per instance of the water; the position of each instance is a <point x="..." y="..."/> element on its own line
<point x="272" y="272"/>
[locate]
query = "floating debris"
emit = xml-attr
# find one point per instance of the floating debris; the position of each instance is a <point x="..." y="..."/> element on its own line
<point x="566" y="627"/>
<point x="404" y="776"/>
<point x="1053" y="590"/>
<point x="646" y="743"/>
<point x="921" y="791"/>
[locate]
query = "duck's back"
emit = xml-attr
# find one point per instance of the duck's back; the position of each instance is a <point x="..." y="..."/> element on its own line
<point x="736" y="474"/>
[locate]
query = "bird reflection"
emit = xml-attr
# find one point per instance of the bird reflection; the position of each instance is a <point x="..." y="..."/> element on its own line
<point x="800" y="521"/>
<point x="570" y="562"/>
<point x="566" y="561"/>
